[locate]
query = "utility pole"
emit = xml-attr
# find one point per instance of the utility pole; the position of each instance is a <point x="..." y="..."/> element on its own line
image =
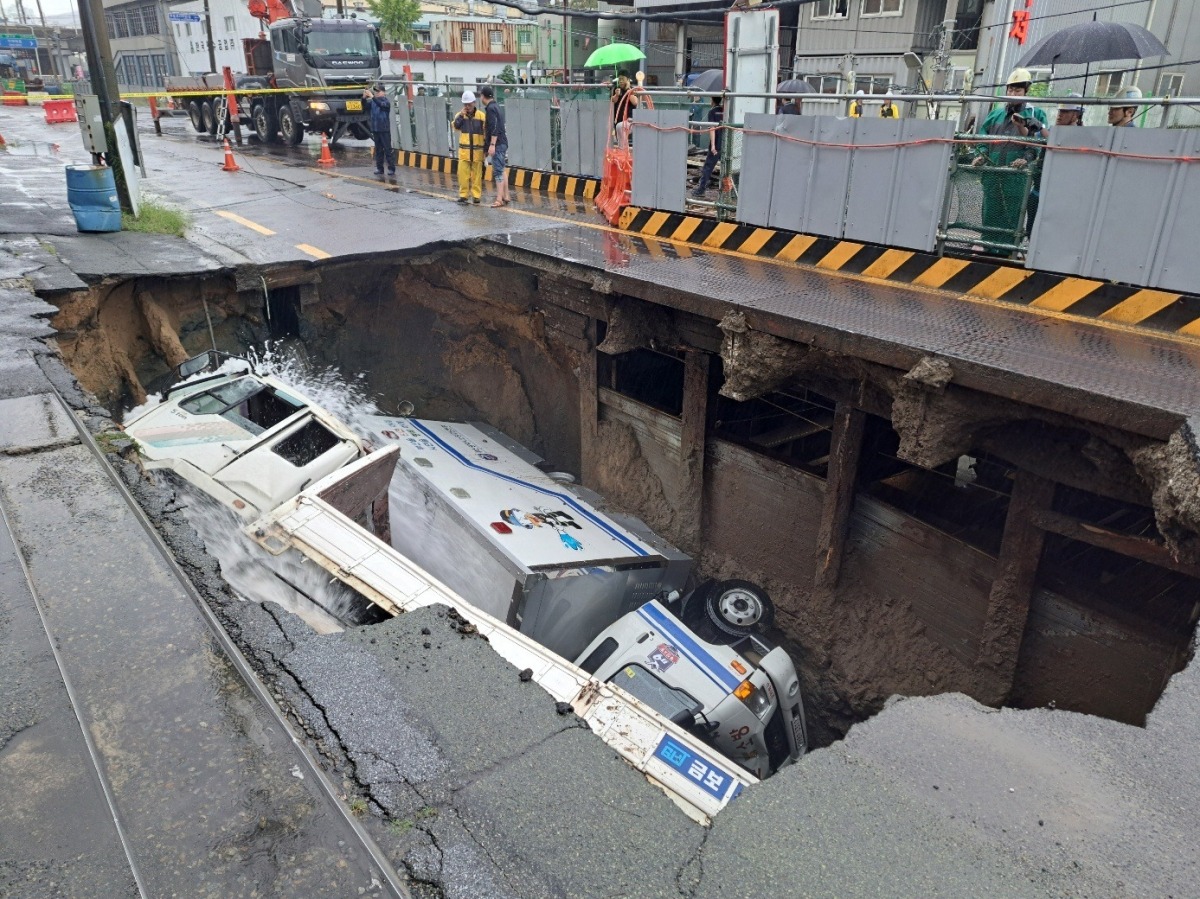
<point x="941" y="66"/>
<point x="104" y="83"/>
<point x="212" y="47"/>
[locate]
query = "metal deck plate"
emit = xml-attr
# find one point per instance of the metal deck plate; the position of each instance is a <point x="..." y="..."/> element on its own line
<point x="1110" y="363"/>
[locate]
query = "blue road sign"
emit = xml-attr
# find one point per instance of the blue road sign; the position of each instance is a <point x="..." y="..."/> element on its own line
<point x="17" y="42"/>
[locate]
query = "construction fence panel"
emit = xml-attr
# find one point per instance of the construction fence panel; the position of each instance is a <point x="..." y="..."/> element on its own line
<point x="584" y="136"/>
<point x="897" y="186"/>
<point x="795" y="173"/>
<point x="432" y="118"/>
<point x="527" y="123"/>
<point x="660" y="142"/>
<point x="402" y="123"/>
<point x="1109" y="215"/>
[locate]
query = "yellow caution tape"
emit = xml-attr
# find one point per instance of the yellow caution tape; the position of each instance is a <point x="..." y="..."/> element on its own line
<point x="166" y="92"/>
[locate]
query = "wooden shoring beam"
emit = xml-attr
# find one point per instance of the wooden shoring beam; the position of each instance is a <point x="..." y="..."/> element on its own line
<point x="840" y="484"/>
<point x="1013" y="587"/>
<point x="1141" y="548"/>
<point x="691" y="448"/>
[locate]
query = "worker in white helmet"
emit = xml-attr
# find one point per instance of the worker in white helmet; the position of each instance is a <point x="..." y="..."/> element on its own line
<point x="1122" y="116"/>
<point x="471" y="125"/>
<point x="1004" y="194"/>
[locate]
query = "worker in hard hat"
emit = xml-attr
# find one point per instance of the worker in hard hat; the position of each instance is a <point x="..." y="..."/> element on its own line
<point x="858" y="105"/>
<point x="889" y="109"/>
<point x="471" y="125"/>
<point x="1071" y="112"/>
<point x="1122" y="116"/>
<point x="1004" y="193"/>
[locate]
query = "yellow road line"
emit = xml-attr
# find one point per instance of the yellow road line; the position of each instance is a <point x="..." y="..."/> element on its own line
<point x="253" y="226"/>
<point x="1140" y="306"/>
<point x="312" y="251"/>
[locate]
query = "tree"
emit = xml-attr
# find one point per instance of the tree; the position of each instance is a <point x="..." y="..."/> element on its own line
<point x="396" y="18"/>
<point x="507" y="75"/>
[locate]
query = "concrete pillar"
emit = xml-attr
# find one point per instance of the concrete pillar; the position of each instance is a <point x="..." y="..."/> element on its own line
<point x="680" y="51"/>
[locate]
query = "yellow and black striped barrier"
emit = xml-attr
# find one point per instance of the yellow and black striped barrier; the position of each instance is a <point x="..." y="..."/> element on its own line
<point x="546" y="182"/>
<point x="990" y="279"/>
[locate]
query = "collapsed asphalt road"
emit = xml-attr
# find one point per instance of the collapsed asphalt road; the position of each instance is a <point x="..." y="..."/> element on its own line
<point x="473" y="783"/>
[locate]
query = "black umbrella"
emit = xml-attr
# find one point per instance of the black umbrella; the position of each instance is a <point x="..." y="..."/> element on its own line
<point x="1094" y="42"/>
<point x="709" y="82"/>
<point x="795" y="86"/>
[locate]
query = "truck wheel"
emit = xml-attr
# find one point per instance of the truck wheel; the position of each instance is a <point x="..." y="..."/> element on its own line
<point x="266" y="124"/>
<point x="292" y="130"/>
<point x="359" y="131"/>
<point x="193" y="111"/>
<point x="737" y="608"/>
<point x="209" y="117"/>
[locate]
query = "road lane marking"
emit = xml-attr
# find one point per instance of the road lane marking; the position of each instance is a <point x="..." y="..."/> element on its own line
<point x="253" y="226"/>
<point x="312" y="251"/>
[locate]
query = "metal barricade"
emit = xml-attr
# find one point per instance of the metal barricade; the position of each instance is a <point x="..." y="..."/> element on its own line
<point x="990" y="204"/>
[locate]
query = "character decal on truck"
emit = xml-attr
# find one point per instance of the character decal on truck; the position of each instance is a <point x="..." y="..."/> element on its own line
<point x="559" y="521"/>
<point x="663" y="657"/>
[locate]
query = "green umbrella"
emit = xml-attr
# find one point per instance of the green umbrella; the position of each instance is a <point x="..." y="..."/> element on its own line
<point x="612" y="54"/>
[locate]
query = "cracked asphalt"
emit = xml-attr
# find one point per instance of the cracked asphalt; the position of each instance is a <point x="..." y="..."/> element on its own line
<point x="469" y="780"/>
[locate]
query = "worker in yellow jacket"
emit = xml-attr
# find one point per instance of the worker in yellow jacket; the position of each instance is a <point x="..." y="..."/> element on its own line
<point x="471" y="125"/>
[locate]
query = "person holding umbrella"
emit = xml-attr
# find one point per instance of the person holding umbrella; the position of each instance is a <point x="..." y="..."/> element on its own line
<point x="624" y="101"/>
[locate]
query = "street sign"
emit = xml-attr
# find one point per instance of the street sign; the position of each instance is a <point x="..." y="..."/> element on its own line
<point x="184" y="16"/>
<point x="17" y="42"/>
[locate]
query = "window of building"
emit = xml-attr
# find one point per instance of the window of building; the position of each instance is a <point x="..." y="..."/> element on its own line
<point x="150" y="19"/>
<point x="229" y="24"/>
<point x="1109" y="83"/>
<point x="825" y="84"/>
<point x="468" y="40"/>
<point x="188" y="26"/>
<point x="496" y="39"/>
<point x="135" y="22"/>
<point x="525" y="37"/>
<point x="1170" y="84"/>
<point x="829" y="9"/>
<point x="873" y="84"/>
<point x="120" y="27"/>
<point x="882" y="7"/>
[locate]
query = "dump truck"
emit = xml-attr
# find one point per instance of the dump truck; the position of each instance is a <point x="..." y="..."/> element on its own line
<point x="317" y="69"/>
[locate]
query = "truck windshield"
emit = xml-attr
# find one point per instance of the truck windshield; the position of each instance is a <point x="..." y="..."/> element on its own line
<point x="246" y="402"/>
<point x="340" y="43"/>
<point x="667" y="701"/>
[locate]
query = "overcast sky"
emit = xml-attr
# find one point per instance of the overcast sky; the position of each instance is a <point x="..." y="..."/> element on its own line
<point x="61" y="10"/>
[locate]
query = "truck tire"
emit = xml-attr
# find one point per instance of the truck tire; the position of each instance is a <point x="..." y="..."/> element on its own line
<point x="359" y="131"/>
<point x="738" y="608"/>
<point x="266" y="124"/>
<point x="209" y="117"/>
<point x="193" y="111"/>
<point x="290" y="127"/>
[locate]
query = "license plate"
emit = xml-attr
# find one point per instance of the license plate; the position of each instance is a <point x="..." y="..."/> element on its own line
<point x="354" y="106"/>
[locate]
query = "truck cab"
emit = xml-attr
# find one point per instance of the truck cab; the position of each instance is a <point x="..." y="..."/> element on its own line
<point x="743" y="699"/>
<point x="340" y="56"/>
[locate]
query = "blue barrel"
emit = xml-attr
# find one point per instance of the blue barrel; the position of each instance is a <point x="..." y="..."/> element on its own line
<point x="92" y="193"/>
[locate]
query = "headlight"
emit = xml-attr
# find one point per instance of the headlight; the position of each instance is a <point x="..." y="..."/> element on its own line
<point x="754" y="698"/>
<point x="317" y="106"/>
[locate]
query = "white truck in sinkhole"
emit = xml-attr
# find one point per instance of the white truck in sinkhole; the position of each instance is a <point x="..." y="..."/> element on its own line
<point x="587" y="600"/>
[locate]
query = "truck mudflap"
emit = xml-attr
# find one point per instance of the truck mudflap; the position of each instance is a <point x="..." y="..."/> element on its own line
<point x="696" y="777"/>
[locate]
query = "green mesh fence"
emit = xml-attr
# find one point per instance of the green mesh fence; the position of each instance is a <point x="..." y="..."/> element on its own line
<point x="991" y="202"/>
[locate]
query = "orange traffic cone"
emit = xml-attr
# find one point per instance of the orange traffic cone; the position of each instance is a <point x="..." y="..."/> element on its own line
<point x="326" y="157"/>
<point x="230" y="165"/>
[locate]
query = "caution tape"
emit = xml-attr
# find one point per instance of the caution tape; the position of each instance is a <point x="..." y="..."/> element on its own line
<point x="167" y="92"/>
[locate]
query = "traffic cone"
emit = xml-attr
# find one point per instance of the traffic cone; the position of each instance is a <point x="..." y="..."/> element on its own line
<point x="230" y="165"/>
<point x="326" y="158"/>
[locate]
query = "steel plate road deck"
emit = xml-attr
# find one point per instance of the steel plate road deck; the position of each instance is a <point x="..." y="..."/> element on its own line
<point x="1138" y="381"/>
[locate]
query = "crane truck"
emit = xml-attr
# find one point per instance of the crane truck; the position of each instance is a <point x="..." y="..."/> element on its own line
<point x="327" y="62"/>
